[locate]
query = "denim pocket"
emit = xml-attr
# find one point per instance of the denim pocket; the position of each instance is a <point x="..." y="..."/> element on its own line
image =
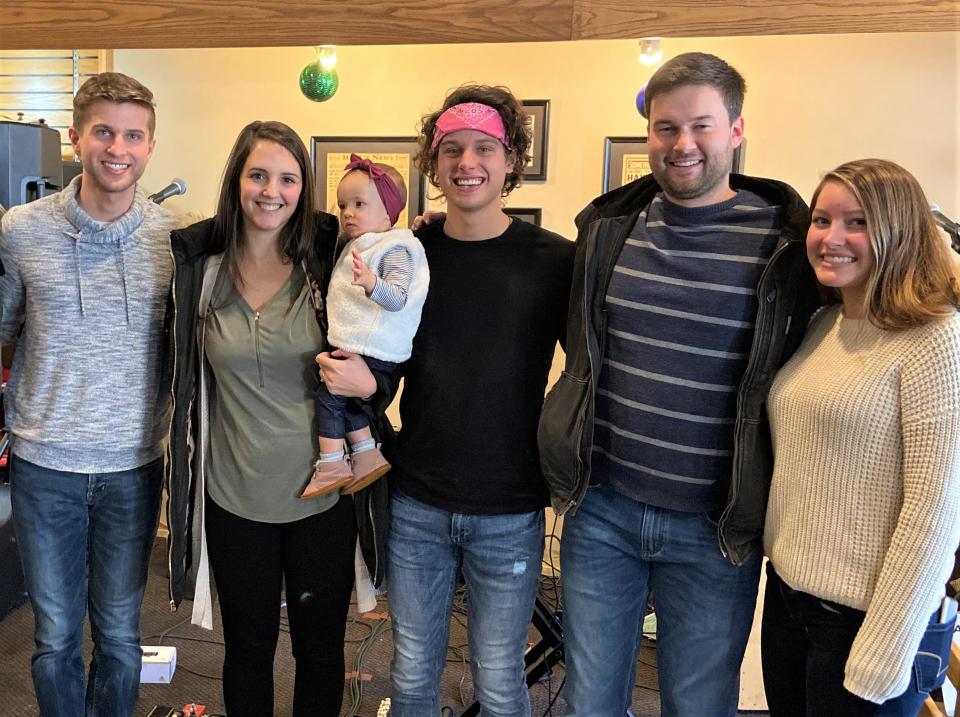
<point x="930" y="664"/>
<point x="713" y="518"/>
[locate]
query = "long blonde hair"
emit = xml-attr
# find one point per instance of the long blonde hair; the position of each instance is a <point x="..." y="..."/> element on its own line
<point x="913" y="280"/>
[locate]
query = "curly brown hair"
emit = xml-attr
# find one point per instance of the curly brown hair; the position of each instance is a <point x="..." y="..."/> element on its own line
<point x="516" y="124"/>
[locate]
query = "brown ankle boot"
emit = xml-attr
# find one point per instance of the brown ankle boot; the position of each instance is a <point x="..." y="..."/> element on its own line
<point x="367" y="467"/>
<point x="327" y="476"/>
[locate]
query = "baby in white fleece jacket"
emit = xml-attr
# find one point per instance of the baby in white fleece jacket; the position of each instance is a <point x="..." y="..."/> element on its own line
<point x="374" y="303"/>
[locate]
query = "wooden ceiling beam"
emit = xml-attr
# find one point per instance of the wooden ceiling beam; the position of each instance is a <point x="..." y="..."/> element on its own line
<point x="607" y="19"/>
<point x="119" y="24"/>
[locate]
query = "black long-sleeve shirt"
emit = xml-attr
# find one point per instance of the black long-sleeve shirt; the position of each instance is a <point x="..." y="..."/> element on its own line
<point x="474" y="386"/>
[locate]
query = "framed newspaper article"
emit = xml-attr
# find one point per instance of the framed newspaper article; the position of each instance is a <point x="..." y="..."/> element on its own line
<point x="331" y="154"/>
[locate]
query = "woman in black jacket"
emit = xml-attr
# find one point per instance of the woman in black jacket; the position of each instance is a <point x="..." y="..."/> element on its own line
<point x="248" y="318"/>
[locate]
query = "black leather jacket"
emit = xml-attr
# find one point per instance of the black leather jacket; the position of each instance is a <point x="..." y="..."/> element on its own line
<point x="191" y="247"/>
<point x="787" y="295"/>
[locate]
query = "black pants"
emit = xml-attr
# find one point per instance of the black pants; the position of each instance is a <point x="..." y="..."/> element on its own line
<point x="805" y="642"/>
<point x="250" y="560"/>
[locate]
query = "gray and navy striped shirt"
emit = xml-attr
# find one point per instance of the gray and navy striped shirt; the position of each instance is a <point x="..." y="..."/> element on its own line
<point x="681" y="307"/>
<point x="394" y="274"/>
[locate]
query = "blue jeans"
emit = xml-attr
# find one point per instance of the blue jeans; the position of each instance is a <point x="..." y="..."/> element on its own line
<point x="805" y="642"/>
<point x="500" y="557"/>
<point x="339" y="415"/>
<point x="85" y="539"/>
<point x="614" y="551"/>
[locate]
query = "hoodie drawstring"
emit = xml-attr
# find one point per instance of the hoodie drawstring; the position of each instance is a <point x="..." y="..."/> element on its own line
<point x="76" y="254"/>
<point x="123" y="278"/>
<point x="121" y="263"/>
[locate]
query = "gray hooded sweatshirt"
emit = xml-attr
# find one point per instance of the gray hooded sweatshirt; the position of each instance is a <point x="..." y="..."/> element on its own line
<point x="84" y="392"/>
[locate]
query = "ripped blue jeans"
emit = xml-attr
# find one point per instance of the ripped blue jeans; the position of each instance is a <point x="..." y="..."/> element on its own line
<point x="500" y="558"/>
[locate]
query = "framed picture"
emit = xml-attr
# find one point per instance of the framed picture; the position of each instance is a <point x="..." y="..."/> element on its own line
<point x="625" y="159"/>
<point x="739" y="157"/>
<point x="331" y="155"/>
<point x="528" y="215"/>
<point x="539" y="113"/>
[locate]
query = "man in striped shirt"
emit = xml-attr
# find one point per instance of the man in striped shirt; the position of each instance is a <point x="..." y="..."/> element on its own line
<point x="694" y="280"/>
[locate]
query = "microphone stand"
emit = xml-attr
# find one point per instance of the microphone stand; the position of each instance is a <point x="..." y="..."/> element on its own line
<point x="539" y="659"/>
<point x="949" y="226"/>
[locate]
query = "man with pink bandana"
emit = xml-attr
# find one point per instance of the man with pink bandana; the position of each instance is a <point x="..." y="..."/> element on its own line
<point x="467" y="492"/>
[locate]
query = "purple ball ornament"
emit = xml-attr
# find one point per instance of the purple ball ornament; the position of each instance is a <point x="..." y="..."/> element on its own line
<point x="641" y="101"/>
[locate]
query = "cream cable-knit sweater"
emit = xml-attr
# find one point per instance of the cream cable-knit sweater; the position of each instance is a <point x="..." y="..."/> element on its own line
<point x="865" y="501"/>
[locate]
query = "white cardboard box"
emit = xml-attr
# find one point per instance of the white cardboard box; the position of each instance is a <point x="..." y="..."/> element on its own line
<point x="159" y="663"/>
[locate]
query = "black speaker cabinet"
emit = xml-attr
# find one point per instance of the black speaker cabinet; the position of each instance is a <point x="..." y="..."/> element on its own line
<point x="30" y="165"/>
<point x="12" y="590"/>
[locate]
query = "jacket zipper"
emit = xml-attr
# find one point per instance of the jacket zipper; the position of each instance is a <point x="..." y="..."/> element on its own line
<point x="745" y="381"/>
<point x="582" y="481"/>
<point x="256" y="324"/>
<point x="376" y="552"/>
<point x="169" y="450"/>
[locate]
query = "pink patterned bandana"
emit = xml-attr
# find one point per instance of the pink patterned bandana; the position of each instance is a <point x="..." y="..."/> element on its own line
<point x="469" y="115"/>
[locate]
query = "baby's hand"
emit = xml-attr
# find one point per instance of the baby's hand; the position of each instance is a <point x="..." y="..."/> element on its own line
<point x="362" y="276"/>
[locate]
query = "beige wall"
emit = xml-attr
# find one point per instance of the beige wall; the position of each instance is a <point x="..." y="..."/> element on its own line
<point x="813" y="102"/>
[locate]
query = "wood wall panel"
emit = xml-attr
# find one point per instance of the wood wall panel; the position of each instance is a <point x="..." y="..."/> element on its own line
<point x="38" y="84"/>
<point x="45" y="66"/>
<point x="24" y="83"/>
<point x="116" y="24"/>
<point x="605" y="19"/>
<point x="35" y="101"/>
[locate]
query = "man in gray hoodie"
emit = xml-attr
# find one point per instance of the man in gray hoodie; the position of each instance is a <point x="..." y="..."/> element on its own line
<point x="87" y="276"/>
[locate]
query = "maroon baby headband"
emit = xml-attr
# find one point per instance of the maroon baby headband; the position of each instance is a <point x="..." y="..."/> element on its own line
<point x="388" y="191"/>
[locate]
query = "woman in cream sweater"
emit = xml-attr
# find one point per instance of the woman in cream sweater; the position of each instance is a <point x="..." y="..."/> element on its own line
<point x="864" y="510"/>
